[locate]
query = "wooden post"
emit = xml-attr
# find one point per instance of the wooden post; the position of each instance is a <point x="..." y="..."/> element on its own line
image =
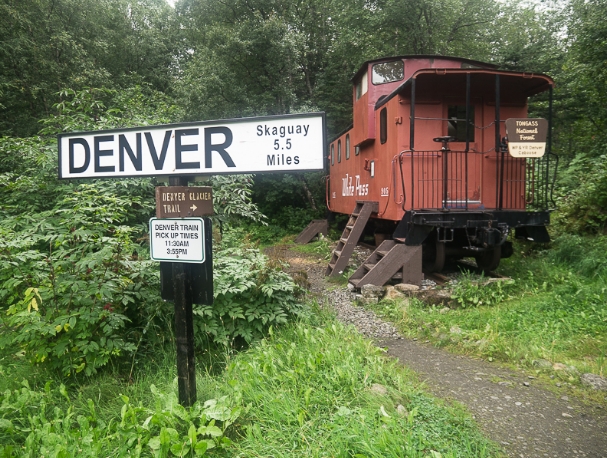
<point x="184" y="326"/>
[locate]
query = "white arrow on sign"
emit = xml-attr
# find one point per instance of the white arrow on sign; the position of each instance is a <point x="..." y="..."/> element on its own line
<point x="193" y="207"/>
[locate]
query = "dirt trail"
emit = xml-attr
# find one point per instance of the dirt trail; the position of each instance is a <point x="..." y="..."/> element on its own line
<point x="528" y="421"/>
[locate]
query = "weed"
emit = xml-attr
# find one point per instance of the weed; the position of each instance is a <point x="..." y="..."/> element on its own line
<point x="474" y="292"/>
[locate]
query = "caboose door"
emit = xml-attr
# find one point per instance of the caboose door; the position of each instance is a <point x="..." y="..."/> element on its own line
<point x="461" y="163"/>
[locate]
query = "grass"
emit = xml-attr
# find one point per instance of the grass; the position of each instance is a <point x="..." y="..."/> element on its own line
<point x="310" y="394"/>
<point x="308" y="389"/>
<point x="555" y="311"/>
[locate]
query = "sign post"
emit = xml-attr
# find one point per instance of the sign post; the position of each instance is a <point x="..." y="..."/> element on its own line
<point x="184" y="326"/>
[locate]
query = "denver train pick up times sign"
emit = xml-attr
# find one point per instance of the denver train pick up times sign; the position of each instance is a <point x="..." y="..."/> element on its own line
<point x="177" y="240"/>
<point x="263" y="144"/>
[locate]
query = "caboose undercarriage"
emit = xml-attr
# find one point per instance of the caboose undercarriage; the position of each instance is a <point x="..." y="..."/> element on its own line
<point x="482" y="235"/>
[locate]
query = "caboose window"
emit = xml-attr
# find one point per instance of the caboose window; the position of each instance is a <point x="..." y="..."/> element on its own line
<point x="333" y="154"/>
<point x="456" y="125"/>
<point x="347" y="147"/>
<point x="361" y="86"/>
<point x="383" y="126"/>
<point x="339" y="151"/>
<point x="388" y="72"/>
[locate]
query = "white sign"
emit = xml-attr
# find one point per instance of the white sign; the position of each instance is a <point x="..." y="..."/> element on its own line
<point x="526" y="149"/>
<point x="177" y="240"/>
<point x="265" y="144"/>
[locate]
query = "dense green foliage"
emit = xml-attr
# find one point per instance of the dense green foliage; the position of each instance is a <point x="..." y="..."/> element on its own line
<point x="47" y="423"/>
<point x="48" y="46"/>
<point x="252" y="293"/>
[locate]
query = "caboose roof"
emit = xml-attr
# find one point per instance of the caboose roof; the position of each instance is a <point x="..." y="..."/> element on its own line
<point x="511" y="83"/>
<point x="468" y="62"/>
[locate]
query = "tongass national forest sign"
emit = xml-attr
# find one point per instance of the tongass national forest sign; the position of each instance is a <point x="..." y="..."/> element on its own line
<point x="248" y="145"/>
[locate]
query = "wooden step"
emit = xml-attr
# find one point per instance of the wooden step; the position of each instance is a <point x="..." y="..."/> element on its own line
<point x="349" y="238"/>
<point x="401" y="262"/>
<point x="317" y="226"/>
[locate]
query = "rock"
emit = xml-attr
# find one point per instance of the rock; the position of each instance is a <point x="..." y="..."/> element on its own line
<point x="378" y="389"/>
<point x="596" y="382"/>
<point x="368" y="300"/>
<point x="436" y="296"/>
<point x="455" y="330"/>
<point x="372" y="291"/>
<point x="300" y="277"/>
<point x="402" y="411"/>
<point x="392" y="293"/>
<point x="542" y="363"/>
<point x="444" y="310"/>
<point x="406" y="289"/>
<point x="559" y="367"/>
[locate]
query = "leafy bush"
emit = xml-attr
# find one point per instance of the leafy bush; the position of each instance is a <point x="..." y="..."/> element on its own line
<point x="583" y="204"/>
<point x="35" y="422"/>
<point x="71" y="281"/>
<point x="474" y="292"/>
<point x="251" y="293"/>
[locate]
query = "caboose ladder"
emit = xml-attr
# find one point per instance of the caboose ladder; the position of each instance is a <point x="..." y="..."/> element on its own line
<point x="349" y="238"/>
<point x="386" y="261"/>
<point x="317" y="226"/>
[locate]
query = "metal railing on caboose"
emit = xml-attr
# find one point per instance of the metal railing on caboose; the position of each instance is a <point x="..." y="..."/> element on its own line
<point x="468" y="180"/>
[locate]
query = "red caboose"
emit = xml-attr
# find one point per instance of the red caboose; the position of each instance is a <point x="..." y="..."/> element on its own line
<point x="426" y="163"/>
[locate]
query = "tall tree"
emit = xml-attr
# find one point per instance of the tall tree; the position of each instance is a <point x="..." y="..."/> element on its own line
<point x="50" y="45"/>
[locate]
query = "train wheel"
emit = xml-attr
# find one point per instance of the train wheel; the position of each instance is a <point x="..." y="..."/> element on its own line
<point x="490" y="259"/>
<point x="433" y="257"/>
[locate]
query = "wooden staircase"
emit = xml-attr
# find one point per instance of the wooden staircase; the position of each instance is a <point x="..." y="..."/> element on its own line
<point x="390" y="260"/>
<point x="349" y="238"/>
<point x="316" y="226"/>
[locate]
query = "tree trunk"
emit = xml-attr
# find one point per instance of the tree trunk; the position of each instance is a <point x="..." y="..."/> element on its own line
<point x="309" y="195"/>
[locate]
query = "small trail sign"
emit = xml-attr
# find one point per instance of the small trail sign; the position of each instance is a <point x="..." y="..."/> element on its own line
<point x="177" y="240"/>
<point x="184" y="201"/>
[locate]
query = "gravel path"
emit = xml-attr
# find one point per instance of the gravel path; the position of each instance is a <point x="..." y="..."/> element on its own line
<point x="526" y="420"/>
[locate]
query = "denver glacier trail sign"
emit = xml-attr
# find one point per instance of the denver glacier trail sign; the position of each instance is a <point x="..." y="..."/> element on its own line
<point x="287" y="143"/>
